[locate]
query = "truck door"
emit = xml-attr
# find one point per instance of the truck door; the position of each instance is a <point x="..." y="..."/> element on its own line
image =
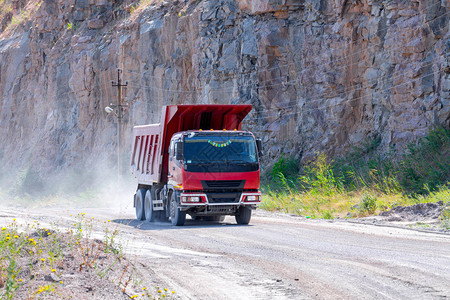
<point x="175" y="174"/>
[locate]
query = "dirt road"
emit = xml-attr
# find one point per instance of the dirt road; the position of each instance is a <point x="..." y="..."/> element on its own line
<point x="278" y="257"/>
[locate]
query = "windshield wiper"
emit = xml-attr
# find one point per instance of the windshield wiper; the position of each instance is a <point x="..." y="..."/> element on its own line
<point x="206" y="163"/>
<point x="238" y="162"/>
<point x="226" y="161"/>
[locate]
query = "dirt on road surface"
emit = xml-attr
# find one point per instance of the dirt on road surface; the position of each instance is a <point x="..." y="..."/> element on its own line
<point x="275" y="257"/>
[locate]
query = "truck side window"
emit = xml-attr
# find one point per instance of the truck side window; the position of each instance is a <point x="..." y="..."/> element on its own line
<point x="177" y="162"/>
<point x="171" y="150"/>
<point x="174" y="148"/>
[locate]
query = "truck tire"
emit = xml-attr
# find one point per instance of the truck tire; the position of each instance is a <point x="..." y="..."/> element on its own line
<point x="177" y="217"/>
<point x="243" y="215"/>
<point x="140" y="196"/>
<point x="148" y="207"/>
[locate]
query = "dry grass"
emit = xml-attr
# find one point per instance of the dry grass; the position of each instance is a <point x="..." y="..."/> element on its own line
<point x="345" y="204"/>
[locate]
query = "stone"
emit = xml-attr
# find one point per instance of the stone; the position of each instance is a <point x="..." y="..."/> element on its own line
<point x="95" y="23"/>
<point x="79" y="16"/>
<point x="228" y="59"/>
<point x="249" y="44"/>
<point x="52" y="277"/>
<point x="371" y="76"/>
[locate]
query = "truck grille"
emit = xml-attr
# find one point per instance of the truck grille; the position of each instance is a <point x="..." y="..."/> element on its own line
<point x="223" y="184"/>
<point x="223" y="200"/>
<point x="223" y="197"/>
<point x="222" y="208"/>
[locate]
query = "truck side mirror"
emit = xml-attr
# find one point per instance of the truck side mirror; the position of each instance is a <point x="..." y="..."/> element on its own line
<point x="259" y="146"/>
<point x="179" y="150"/>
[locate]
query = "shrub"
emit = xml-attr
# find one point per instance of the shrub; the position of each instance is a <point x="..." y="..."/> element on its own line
<point x="368" y="204"/>
<point x="364" y="168"/>
<point x="444" y="218"/>
<point x="283" y="174"/>
<point x="28" y="181"/>
<point x="319" y="177"/>
<point x="327" y="214"/>
<point x="426" y="165"/>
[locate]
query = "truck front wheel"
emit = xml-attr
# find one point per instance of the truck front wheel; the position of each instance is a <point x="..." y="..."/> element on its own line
<point x="177" y="217"/>
<point x="140" y="196"/>
<point x="148" y="205"/>
<point x="243" y="215"/>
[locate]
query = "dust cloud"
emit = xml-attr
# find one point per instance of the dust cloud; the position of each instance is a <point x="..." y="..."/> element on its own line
<point x="74" y="188"/>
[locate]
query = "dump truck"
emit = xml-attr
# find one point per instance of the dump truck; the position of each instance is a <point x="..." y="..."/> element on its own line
<point x="197" y="161"/>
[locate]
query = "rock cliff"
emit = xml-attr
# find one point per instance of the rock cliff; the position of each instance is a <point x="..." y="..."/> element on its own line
<point x="322" y="75"/>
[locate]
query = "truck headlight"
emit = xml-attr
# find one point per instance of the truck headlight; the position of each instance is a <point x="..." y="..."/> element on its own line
<point x="252" y="198"/>
<point x="191" y="199"/>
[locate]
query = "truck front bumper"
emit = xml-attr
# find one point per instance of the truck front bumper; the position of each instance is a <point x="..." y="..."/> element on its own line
<point x="203" y="199"/>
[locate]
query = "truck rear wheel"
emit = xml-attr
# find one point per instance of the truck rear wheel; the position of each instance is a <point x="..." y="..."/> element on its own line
<point x="148" y="207"/>
<point x="177" y="217"/>
<point x="243" y="215"/>
<point x="140" y="196"/>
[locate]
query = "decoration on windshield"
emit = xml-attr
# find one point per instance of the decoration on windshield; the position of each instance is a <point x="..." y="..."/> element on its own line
<point x="219" y="145"/>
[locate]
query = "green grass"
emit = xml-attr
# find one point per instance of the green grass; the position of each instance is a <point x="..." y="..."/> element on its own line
<point x="363" y="182"/>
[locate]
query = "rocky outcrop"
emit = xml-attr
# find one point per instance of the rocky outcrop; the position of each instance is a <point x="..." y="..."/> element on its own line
<point x="322" y="75"/>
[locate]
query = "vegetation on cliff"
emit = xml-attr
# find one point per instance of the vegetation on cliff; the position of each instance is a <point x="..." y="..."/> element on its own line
<point x="363" y="182"/>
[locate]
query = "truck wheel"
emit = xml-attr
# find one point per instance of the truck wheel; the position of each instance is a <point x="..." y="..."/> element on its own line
<point x="177" y="217"/>
<point x="148" y="207"/>
<point x="140" y="196"/>
<point x="243" y="215"/>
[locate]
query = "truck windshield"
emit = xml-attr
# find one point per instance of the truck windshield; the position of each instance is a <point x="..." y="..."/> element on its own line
<point x="224" y="149"/>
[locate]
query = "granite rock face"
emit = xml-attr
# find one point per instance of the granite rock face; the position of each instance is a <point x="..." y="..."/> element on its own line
<point x="322" y="75"/>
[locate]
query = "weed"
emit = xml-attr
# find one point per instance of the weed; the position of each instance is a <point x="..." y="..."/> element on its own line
<point x="12" y="244"/>
<point x="110" y="242"/>
<point x="444" y="218"/>
<point x="422" y="225"/>
<point x="327" y="214"/>
<point x="283" y="174"/>
<point x="45" y="290"/>
<point x="88" y="248"/>
<point x="368" y="204"/>
<point x="426" y="165"/>
<point x="319" y="177"/>
<point x="11" y="278"/>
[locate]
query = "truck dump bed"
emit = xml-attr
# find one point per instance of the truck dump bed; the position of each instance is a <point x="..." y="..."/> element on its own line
<point x="149" y="158"/>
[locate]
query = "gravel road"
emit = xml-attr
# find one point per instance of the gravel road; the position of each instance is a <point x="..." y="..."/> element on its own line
<point x="280" y="257"/>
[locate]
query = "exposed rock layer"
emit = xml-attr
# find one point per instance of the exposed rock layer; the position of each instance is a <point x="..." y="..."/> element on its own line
<point x="322" y="74"/>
